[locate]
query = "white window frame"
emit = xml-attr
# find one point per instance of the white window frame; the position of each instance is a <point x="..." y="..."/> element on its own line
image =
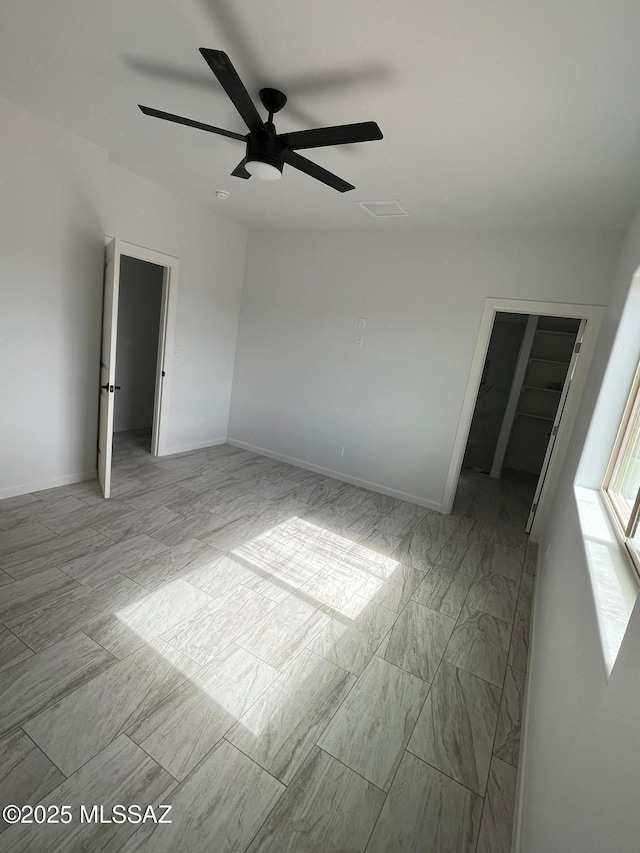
<point x="626" y="523"/>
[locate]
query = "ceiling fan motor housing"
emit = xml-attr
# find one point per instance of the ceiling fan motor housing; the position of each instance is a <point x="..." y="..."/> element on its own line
<point x="266" y="148"/>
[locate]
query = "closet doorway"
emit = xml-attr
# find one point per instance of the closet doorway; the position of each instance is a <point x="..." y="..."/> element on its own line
<point x="140" y="292"/>
<point x="528" y="372"/>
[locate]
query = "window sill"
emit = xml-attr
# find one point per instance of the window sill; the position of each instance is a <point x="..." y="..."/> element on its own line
<point x="613" y="579"/>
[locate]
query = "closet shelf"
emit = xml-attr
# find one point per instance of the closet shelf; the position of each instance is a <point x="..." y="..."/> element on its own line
<point x="537" y="417"/>
<point x="549" y="361"/>
<point x="540" y="388"/>
<point x="552" y="332"/>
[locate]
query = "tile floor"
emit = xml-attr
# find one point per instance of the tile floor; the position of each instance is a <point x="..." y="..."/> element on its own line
<point x="292" y="663"/>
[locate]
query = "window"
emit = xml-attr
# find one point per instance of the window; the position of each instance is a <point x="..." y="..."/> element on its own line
<point x="622" y="481"/>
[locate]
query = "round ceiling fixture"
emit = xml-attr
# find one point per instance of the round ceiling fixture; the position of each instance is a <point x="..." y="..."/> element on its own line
<point x="263" y="171"/>
<point x="223" y="195"/>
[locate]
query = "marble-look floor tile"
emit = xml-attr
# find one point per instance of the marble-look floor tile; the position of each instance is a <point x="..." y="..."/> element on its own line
<point x="519" y="649"/>
<point x="82" y="723"/>
<point x="152" y="521"/>
<point x="530" y="566"/>
<point x="511" y="535"/>
<point x="207" y="632"/>
<point x="507" y="743"/>
<point x="219" y="573"/>
<point x="496" y="828"/>
<point x="146" y="616"/>
<point x="351" y="638"/>
<point x="479" y="644"/>
<point x="38" y="511"/>
<point x="456" y="727"/>
<point x="426" y="811"/>
<point x="525" y="595"/>
<point x="31" y="685"/>
<point x="226" y="535"/>
<point x="462" y="554"/>
<point x="7" y="505"/>
<point x="399" y="522"/>
<point x="12" y="650"/>
<point x="112" y="558"/>
<point x="326" y="807"/>
<point x="419" y="550"/>
<point x="5" y="578"/>
<point x="282" y="634"/>
<point x="334" y="584"/>
<point x="280" y="729"/>
<point x="443" y="589"/>
<point x="30" y="593"/>
<point x="219" y="807"/>
<point x="21" y="537"/>
<point x="181" y="729"/>
<point x="380" y="542"/>
<point x="65" y="614"/>
<point x="121" y="773"/>
<point x="91" y="516"/>
<point x="26" y="774"/>
<point x="372" y="727"/>
<point x="393" y="588"/>
<point x="165" y="496"/>
<point x="503" y="560"/>
<point x="53" y="553"/>
<point x="493" y="593"/>
<point x="417" y="640"/>
<point x="172" y="563"/>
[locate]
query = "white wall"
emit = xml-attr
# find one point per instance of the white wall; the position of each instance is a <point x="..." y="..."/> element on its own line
<point x="582" y="760"/>
<point x="59" y="195"/>
<point x="301" y="387"/>
<point x="139" y="304"/>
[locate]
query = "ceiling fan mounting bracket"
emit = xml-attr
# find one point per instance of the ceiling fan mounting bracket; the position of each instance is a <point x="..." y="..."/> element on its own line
<point x="273" y="100"/>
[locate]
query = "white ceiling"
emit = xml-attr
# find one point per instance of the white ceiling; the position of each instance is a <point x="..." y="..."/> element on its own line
<point x="500" y="113"/>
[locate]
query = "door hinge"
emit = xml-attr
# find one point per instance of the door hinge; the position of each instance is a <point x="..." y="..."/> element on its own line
<point x="163" y="374"/>
<point x="576" y="348"/>
<point x="534" y="508"/>
<point x="110" y="388"/>
<point x="554" y="431"/>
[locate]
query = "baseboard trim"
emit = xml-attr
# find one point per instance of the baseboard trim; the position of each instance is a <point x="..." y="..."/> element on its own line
<point x="337" y="475"/>
<point x="197" y="445"/>
<point x="516" y="837"/>
<point x="40" y="486"/>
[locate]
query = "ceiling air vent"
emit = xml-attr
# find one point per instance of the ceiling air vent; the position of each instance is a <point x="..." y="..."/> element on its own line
<point x="383" y="208"/>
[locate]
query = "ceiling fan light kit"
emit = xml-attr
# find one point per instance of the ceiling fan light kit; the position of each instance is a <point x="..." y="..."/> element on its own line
<point x="266" y="150"/>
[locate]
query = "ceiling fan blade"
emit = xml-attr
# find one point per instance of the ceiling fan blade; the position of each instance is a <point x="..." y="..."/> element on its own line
<point x="341" y="134"/>
<point x="240" y="171"/>
<point x="222" y="67"/>
<point x="317" y="172"/>
<point x="149" y="111"/>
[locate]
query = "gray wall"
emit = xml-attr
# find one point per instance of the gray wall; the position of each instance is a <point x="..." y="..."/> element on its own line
<point x="580" y="774"/>
<point x="301" y="387"/>
<point x="139" y="305"/>
<point x="59" y="198"/>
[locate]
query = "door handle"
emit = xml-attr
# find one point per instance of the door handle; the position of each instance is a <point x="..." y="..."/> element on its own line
<point x="110" y="388"/>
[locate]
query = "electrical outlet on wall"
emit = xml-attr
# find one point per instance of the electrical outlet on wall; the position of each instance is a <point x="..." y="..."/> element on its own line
<point x="362" y="324"/>
<point x="340" y="450"/>
<point x="359" y="341"/>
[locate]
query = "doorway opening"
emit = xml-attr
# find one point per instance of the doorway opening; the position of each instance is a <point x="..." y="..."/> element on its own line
<point x="528" y="372"/>
<point x="139" y="311"/>
<point x="529" y="365"/>
<point x="140" y="292"/>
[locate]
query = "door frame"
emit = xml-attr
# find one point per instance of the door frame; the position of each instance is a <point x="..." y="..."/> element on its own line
<point x="166" y="334"/>
<point x="592" y="314"/>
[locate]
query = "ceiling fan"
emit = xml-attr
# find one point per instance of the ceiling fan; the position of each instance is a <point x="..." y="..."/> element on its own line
<point x="266" y="150"/>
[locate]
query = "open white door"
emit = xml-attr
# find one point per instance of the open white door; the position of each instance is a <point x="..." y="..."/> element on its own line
<point x="556" y="424"/>
<point x="108" y="363"/>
